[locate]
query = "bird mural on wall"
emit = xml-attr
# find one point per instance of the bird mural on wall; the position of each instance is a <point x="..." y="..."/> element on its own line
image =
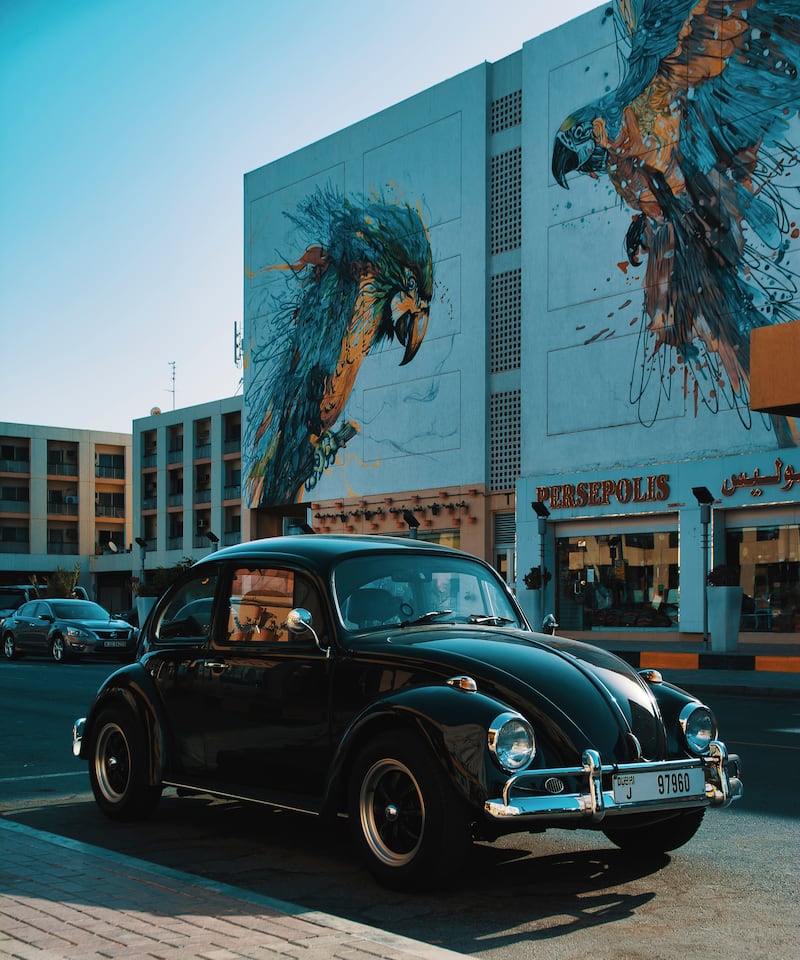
<point x="695" y="141"/>
<point x="364" y="280"/>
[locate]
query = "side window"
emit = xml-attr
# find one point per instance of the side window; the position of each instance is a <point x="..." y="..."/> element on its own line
<point x="261" y="598"/>
<point x="187" y="615"/>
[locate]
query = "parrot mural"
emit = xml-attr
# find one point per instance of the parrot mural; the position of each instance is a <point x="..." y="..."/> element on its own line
<point x="365" y="279"/>
<point x="695" y="140"/>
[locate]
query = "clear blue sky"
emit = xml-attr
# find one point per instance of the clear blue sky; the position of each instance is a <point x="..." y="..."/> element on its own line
<point x="126" y="127"/>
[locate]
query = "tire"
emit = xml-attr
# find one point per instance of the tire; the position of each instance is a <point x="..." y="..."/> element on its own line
<point x="660" y="837"/>
<point x="409" y="826"/>
<point x="118" y="766"/>
<point x="9" y="647"/>
<point x="58" y="649"/>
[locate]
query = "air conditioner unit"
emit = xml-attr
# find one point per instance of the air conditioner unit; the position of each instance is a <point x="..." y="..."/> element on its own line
<point x="202" y="524"/>
<point x="204" y="478"/>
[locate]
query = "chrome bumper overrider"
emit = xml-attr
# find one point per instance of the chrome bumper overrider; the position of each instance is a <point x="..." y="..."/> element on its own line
<point x="591" y="802"/>
<point x="77" y="736"/>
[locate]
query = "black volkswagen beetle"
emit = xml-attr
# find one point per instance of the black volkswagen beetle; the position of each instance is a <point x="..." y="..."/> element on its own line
<point x="398" y="683"/>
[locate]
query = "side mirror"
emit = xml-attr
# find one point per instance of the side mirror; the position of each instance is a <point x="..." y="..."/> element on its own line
<point x="299" y="620"/>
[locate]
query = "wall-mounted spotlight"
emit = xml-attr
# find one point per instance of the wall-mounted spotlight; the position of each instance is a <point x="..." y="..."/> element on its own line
<point x="412" y="522"/>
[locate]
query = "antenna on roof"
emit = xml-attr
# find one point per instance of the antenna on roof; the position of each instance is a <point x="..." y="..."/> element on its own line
<point x="172" y="391"/>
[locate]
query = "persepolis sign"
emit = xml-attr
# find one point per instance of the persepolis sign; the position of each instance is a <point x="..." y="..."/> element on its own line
<point x="601" y="493"/>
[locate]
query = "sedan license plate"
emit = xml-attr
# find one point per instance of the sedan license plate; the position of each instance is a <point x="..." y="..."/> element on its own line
<point x="115" y="643"/>
<point x="659" y="785"/>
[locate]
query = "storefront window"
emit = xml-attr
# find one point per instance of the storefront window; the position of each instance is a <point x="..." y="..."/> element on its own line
<point x="769" y="568"/>
<point x="618" y="581"/>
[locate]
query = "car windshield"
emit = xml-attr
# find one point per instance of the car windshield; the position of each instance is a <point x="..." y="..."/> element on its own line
<point x="418" y="588"/>
<point x="79" y="610"/>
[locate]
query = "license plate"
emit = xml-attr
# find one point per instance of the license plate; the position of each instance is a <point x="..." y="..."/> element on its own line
<point x="659" y="785"/>
<point x="116" y="643"/>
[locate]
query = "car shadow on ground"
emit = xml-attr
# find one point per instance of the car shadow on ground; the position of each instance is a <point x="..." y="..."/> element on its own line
<point x="558" y="883"/>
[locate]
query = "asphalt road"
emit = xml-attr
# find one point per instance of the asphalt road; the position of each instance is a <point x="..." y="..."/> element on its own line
<point x="560" y="895"/>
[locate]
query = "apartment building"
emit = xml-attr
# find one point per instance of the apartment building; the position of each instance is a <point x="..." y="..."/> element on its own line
<point x="65" y="498"/>
<point x="187" y="482"/>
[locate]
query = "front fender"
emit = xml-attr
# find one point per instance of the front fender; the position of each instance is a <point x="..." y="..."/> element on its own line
<point x="133" y="686"/>
<point x="454" y="723"/>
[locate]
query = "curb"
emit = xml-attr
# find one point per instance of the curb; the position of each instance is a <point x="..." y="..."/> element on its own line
<point x="672" y="660"/>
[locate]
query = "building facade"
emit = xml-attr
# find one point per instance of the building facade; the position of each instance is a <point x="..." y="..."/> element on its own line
<point x="65" y="499"/>
<point x="186" y="482"/>
<point x="534" y="284"/>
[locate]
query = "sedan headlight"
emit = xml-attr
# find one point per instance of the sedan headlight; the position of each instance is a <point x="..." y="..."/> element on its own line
<point x="699" y="728"/>
<point x="511" y="742"/>
<point x="77" y="633"/>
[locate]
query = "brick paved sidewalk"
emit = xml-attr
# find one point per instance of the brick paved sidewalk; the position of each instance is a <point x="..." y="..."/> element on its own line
<point x="62" y="899"/>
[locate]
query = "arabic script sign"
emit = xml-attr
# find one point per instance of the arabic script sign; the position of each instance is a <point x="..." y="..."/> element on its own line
<point x="784" y="477"/>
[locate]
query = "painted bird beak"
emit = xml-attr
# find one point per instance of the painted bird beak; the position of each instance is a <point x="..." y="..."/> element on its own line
<point x="410" y="329"/>
<point x="565" y="159"/>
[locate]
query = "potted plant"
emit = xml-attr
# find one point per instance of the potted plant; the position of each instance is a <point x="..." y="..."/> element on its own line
<point x="724" y="598"/>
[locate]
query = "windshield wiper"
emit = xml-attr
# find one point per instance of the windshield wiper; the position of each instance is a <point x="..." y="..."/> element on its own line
<point x="428" y="617"/>
<point x="485" y="619"/>
<point x="481" y="619"/>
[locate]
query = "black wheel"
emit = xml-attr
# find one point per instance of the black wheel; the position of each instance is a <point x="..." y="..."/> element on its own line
<point x="58" y="649"/>
<point x="9" y="647"/>
<point x="657" y="838"/>
<point x="118" y="766"/>
<point x="410" y="827"/>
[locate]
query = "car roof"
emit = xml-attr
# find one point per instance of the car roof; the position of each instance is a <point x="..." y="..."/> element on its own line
<point x="324" y="549"/>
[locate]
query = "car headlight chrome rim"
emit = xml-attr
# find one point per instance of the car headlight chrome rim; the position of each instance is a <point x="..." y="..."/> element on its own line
<point x="512" y="742"/>
<point x="699" y="728"/>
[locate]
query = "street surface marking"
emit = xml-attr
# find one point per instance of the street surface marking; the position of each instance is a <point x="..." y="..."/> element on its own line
<point x="42" y="776"/>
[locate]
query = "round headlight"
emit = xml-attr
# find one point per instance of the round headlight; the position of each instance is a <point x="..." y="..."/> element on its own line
<point x="511" y="742"/>
<point x="699" y="728"/>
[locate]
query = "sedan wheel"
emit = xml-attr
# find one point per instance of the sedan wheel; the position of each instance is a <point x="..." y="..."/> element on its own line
<point x="406" y="820"/>
<point x="58" y="650"/>
<point x="118" y="766"/>
<point x="9" y="647"/>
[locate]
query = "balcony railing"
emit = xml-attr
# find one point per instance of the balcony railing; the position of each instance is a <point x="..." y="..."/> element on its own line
<point x="62" y="469"/>
<point x="231" y="538"/>
<point x="104" y="510"/>
<point x="175" y="543"/>
<point x="15" y="546"/>
<point x="175" y="500"/>
<point x="110" y="473"/>
<point x="15" y="506"/>
<point x="202" y="496"/>
<point x="149" y="503"/>
<point x="62" y="548"/>
<point x="233" y="492"/>
<point x="63" y="509"/>
<point x="15" y="466"/>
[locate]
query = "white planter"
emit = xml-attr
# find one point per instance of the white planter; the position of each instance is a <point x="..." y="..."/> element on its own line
<point x="724" y="614"/>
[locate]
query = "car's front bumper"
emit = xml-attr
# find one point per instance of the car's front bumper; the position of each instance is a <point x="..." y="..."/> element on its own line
<point x="544" y="795"/>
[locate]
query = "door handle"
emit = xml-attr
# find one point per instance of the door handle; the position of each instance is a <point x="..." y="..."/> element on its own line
<point x="216" y="665"/>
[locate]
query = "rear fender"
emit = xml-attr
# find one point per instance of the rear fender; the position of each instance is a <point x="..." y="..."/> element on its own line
<point x="454" y="724"/>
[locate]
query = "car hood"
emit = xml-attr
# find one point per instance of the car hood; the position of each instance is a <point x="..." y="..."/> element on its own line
<point x="95" y="625"/>
<point x="579" y="695"/>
